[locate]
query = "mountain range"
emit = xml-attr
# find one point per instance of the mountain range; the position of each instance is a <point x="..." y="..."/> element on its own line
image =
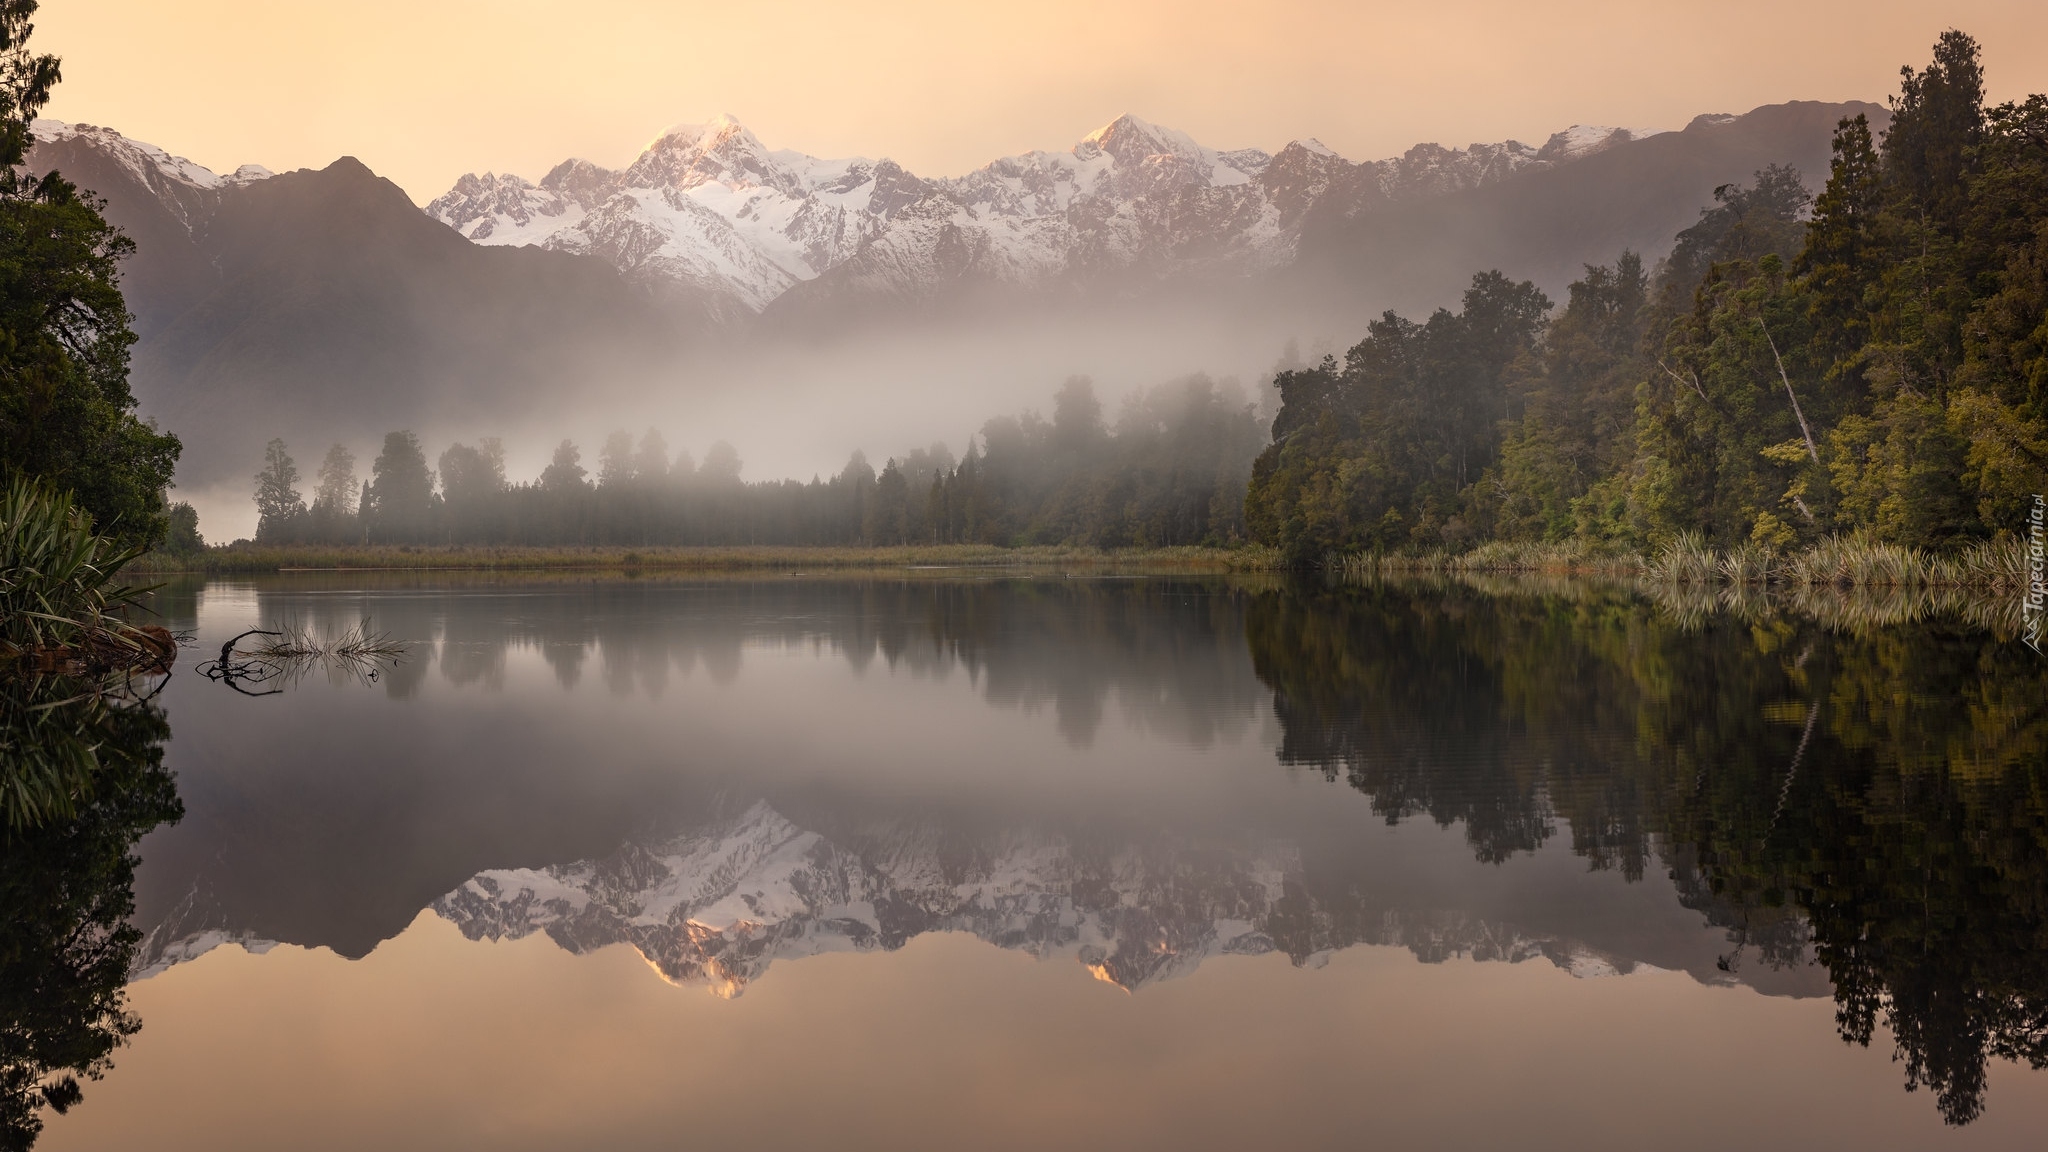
<point x="325" y="304"/>
<point x="711" y="208"/>
<point x="716" y="905"/>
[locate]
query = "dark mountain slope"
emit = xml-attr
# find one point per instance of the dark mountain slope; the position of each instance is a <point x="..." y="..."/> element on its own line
<point x="1545" y="224"/>
<point x="167" y="271"/>
<point x="339" y="311"/>
<point x="323" y="305"/>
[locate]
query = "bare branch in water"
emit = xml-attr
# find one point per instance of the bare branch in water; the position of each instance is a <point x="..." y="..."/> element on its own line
<point x="290" y="651"/>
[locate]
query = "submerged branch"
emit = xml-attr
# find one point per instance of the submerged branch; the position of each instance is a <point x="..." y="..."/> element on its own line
<point x="292" y="651"/>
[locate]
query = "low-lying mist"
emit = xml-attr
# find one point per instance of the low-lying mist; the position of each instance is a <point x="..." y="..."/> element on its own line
<point x="798" y="409"/>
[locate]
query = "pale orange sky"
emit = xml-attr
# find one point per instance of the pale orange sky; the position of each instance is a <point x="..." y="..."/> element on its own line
<point x="434" y="1041"/>
<point x="424" y="90"/>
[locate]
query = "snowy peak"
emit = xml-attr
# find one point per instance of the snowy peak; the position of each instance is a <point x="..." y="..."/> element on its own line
<point x="1299" y="177"/>
<point x="1136" y="143"/>
<point x="721" y="151"/>
<point x="147" y="162"/>
<point x="479" y="205"/>
<point x="1150" y="158"/>
<point x="182" y="186"/>
<point x="1581" y="140"/>
<point x="706" y="207"/>
<point x="1133" y="141"/>
<point x="580" y="182"/>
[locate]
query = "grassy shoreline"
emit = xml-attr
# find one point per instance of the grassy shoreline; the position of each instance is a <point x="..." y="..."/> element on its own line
<point x="262" y="559"/>
<point x="1836" y="562"/>
<point x="1842" y="583"/>
<point x="1843" y="562"/>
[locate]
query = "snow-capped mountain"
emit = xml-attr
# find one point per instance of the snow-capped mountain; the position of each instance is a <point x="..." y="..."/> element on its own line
<point x="717" y="906"/>
<point x="148" y="162"/>
<point x="705" y="205"/>
<point x="709" y="206"/>
<point x="186" y="189"/>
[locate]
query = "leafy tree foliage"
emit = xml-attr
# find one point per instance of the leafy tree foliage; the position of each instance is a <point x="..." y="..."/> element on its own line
<point x="1876" y="365"/>
<point x="66" y="414"/>
<point x="1748" y="222"/>
<point x="1378" y="453"/>
<point x="183" y="538"/>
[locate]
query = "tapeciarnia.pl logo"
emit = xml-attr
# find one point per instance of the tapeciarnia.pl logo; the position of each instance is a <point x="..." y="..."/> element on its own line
<point x="2036" y="602"/>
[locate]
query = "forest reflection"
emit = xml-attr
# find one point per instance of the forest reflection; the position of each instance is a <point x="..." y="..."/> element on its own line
<point x="1872" y="796"/>
<point x="1166" y="650"/>
<point x="67" y="885"/>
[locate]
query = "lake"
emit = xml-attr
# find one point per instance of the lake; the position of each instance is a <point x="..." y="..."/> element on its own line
<point x="973" y="858"/>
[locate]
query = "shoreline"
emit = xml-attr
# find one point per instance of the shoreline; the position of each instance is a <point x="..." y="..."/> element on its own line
<point x="281" y="559"/>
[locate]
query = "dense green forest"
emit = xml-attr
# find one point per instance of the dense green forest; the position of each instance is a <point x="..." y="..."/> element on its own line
<point x="1872" y="360"/>
<point x="1171" y="470"/>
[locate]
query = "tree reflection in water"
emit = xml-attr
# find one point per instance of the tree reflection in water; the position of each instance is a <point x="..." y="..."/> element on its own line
<point x="1875" y="795"/>
<point x="67" y="884"/>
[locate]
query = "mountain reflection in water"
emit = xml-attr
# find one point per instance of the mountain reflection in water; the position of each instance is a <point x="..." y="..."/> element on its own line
<point x="725" y="774"/>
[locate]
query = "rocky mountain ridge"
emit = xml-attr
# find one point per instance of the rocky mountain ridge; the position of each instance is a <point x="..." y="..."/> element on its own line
<point x="709" y="206"/>
<point x="181" y="184"/>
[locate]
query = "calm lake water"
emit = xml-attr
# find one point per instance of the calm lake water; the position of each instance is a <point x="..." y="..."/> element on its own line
<point x="956" y="860"/>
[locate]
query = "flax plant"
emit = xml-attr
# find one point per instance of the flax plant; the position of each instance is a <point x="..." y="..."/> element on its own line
<point x="58" y="595"/>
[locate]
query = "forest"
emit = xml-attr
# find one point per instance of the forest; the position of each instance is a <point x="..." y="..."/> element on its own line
<point x="1171" y="470"/>
<point x="1867" y="361"/>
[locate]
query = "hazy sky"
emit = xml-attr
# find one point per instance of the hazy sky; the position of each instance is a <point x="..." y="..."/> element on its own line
<point x="424" y="90"/>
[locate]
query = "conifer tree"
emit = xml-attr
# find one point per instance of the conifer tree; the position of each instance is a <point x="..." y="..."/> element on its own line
<point x="401" y="491"/>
